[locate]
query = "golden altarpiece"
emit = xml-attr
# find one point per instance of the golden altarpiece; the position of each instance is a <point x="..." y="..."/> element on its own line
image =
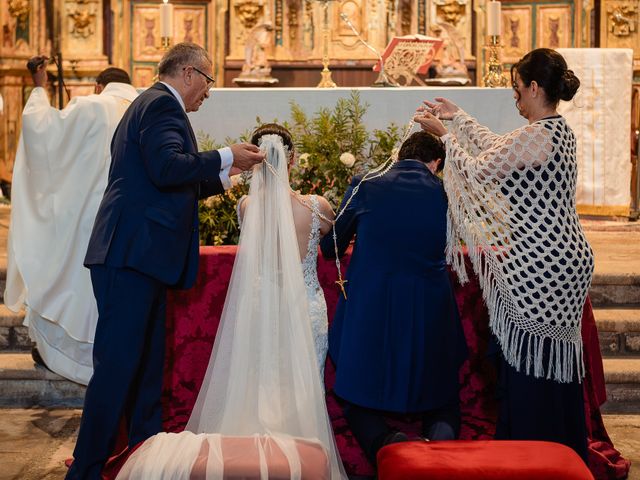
<point x="92" y="34"/>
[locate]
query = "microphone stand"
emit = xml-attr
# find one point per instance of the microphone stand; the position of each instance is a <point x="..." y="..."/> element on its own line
<point x="383" y="80"/>
<point x="60" y="80"/>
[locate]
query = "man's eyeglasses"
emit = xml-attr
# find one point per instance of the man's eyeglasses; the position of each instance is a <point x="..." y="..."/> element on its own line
<point x="210" y="80"/>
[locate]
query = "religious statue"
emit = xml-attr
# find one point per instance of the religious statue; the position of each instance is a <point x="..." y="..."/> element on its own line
<point x="256" y="69"/>
<point x="449" y="65"/>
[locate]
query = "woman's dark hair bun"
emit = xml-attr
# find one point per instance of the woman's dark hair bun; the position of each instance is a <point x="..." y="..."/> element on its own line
<point x="569" y="85"/>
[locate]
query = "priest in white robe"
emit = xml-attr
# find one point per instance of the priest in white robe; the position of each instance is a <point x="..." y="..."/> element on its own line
<point x="59" y="177"/>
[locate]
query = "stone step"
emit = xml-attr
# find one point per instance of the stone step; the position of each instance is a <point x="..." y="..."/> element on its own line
<point x="13" y="335"/>
<point x="618" y="330"/>
<point x="612" y="289"/>
<point x="606" y="289"/>
<point x="25" y="384"/>
<point x="622" y="376"/>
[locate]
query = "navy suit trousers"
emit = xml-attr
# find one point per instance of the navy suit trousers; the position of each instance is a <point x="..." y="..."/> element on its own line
<point x="128" y="358"/>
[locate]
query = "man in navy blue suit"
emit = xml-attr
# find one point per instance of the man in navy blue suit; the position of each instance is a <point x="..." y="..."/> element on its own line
<point x="145" y="240"/>
<point x="396" y="339"/>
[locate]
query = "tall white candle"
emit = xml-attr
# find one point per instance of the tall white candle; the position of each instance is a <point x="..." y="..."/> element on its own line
<point x="166" y="19"/>
<point x="493" y="18"/>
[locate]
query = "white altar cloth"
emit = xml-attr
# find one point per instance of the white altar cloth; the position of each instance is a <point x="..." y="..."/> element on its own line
<point x="230" y="112"/>
<point x="600" y="116"/>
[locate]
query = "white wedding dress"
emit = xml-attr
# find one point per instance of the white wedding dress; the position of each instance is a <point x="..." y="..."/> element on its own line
<point x="261" y="412"/>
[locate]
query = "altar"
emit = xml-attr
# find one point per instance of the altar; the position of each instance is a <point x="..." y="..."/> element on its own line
<point x="230" y="112"/>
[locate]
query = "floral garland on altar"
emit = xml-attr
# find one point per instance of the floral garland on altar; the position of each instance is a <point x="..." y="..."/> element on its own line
<point x="332" y="146"/>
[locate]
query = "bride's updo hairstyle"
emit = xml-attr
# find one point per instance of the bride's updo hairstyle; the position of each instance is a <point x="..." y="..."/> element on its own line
<point x="549" y="70"/>
<point x="274" y="129"/>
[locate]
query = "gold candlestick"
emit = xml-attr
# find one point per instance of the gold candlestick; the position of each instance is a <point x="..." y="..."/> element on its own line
<point x="494" y="76"/>
<point x="326" y="81"/>
<point x="165" y="42"/>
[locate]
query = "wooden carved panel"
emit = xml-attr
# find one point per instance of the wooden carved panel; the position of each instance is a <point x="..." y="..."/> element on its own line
<point x="146" y="33"/>
<point x="516" y="32"/>
<point x="189" y="24"/>
<point x="619" y="26"/>
<point x="341" y="32"/>
<point x="553" y="26"/>
<point x="83" y="26"/>
<point x="143" y="75"/>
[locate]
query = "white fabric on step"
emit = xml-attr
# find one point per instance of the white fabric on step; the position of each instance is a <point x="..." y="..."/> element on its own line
<point x="600" y="116"/>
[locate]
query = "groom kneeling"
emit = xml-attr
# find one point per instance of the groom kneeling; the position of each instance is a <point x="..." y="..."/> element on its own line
<point x="396" y="339"/>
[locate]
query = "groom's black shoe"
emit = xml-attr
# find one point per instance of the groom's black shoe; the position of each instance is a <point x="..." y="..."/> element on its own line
<point x="395" y="437"/>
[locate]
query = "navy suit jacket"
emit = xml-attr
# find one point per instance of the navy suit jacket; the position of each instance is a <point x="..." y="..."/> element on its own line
<point x="148" y="218"/>
<point x="397" y="341"/>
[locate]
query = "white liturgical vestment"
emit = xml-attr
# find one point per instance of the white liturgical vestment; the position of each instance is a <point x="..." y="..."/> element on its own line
<point x="59" y="177"/>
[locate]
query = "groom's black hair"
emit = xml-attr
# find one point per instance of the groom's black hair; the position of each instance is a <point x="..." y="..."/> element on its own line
<point x="423" y="146"/>
<point x="273" y="129"/>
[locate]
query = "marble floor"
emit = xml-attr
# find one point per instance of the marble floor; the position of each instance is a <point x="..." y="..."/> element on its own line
<point x="34" y="443"/>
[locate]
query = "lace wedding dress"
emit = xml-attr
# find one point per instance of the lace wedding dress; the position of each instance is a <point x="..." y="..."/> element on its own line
<point x="315" y="295"/>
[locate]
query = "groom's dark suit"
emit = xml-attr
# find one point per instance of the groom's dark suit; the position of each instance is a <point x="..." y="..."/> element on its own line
<point x="145" y="239"/>
<point x="396" y="340"/>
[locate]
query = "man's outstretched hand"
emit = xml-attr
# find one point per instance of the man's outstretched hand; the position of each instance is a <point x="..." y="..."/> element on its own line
<point x="245" y="156"/>
<point x="38" y="67"/>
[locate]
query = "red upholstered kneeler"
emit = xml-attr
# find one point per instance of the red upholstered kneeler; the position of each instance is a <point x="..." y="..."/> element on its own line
<point x="480" y="460"/>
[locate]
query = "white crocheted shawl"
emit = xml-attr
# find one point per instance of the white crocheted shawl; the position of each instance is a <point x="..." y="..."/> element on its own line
<point x="512" y="203"/>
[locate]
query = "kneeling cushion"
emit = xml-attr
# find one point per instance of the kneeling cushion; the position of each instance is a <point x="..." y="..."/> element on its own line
<point x="480" y="460"/>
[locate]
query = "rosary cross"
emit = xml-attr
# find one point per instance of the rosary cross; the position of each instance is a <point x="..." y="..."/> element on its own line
<point x="341" y="283"/>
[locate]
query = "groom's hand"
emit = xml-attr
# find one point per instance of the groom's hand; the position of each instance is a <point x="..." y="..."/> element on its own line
<point x="245" y="156"/>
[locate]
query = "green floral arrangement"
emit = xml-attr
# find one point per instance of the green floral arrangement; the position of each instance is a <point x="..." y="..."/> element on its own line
<point x="217" y="214"/>
<point x="332" y="146"/>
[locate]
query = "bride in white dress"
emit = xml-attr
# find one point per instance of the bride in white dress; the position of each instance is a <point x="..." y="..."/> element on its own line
<point x="261" y="412"/>
<point x="312" y="216"/>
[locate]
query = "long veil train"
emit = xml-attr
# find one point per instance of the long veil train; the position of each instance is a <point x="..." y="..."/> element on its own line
<point x="262" y="380"/>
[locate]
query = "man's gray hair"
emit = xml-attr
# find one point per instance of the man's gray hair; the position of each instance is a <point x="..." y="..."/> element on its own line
<point x="182" y="55"/>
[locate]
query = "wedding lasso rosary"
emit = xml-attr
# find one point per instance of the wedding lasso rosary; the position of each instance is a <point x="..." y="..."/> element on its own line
<point x="377" y="172"/>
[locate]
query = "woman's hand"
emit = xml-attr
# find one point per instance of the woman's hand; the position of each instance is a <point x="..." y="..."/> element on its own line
<point x="430" y="123"/>
<point x="442" y="108"/>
